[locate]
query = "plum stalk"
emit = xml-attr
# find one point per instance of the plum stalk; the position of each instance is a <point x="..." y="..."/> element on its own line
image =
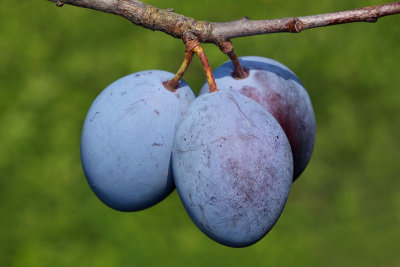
<point x="207" y="69"/>
<point x="172" y="84"/>
<point x="192" y="46"/>
<point x="238" y="71"/>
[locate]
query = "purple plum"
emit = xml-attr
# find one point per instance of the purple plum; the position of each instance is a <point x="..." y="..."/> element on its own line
<point x="233" y="167"/>
<point x="127" y="139"/>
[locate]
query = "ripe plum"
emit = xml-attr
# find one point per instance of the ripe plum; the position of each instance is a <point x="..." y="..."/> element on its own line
<point x="127" y="139"/>
<point x="233" y="167"/>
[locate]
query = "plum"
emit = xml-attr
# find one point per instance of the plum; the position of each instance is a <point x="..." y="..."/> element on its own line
<point x="233" y="167"/>
<point x="277" y="89"/>
<point x="127" y="139"/>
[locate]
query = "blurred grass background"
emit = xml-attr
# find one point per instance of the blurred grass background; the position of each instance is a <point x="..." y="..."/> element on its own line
<point x="343" y="211"/>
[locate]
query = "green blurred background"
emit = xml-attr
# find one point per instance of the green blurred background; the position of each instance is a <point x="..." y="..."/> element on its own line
<point x="343" y="211"/>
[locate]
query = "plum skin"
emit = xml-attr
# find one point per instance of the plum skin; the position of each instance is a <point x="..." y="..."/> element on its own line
<point x="279" y="90"/>
<point x="233" y="167"/>
<point x="127" y="140"/>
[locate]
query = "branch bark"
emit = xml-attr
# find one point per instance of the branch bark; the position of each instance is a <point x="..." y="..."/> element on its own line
<point x="185" y="28"/>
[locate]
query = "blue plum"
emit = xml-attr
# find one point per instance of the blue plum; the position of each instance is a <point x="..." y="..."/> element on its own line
<point x="277" y="89"/>
<point x="127" y="139"/>
<point x="232" y="167"/>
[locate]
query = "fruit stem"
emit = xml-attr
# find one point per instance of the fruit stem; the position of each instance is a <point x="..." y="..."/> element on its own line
<point x="238" y="71"/>
<point x="172" y="84"/>
<point x="206" y="66"/>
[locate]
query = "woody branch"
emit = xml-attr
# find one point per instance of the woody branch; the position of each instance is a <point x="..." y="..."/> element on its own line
<point x="182" y="27"/>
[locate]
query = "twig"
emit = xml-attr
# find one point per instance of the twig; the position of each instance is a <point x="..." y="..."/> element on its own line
<point x="247" y="27"/>
<point x="180" y="26"/>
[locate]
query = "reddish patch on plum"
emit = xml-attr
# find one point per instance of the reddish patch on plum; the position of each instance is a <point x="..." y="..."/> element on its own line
<point x="276" y="105"/>
<point x="286" y="116"/>
<point x="252" y="93"/>
<point x="286" y="111"/>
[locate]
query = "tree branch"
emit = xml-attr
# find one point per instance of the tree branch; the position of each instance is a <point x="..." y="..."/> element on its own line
<point x="247" y="27"/>
<point x="183" y="27"/>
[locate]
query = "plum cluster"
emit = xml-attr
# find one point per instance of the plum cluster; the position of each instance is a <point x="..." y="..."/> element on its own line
<point x="231" y="154"/>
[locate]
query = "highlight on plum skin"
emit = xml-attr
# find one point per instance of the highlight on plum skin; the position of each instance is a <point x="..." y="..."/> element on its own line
<point x="233" y="167"/>
<point x="280" y="91"/>
<point x="127" y="139"/>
